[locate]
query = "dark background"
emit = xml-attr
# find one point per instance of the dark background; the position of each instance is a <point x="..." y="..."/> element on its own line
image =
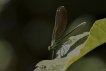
<point x="26" y="28"/>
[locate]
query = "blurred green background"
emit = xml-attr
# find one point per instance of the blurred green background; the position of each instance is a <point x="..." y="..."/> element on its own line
<point x="26" y="29"/>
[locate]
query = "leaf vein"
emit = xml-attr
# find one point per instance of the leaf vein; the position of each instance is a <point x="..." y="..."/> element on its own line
<point x="100" y="28"/>
<point x="95" y="38"/>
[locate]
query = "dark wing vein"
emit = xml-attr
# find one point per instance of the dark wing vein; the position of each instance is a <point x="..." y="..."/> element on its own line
<point x="60" y="23"/>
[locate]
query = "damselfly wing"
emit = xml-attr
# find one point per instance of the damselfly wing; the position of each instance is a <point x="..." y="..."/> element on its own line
<point x="60" y="25"/>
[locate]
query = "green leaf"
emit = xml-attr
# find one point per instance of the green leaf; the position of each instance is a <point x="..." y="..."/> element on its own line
<point x="52" y="65"/>
<point x="2" y="3"/>
<point x="96" y="37"/>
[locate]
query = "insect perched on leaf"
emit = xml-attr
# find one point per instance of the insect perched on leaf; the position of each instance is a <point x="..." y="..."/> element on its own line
<point x="60" y="25"/>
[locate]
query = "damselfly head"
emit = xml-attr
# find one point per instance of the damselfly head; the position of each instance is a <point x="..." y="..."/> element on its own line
<point x="49" y="48"/>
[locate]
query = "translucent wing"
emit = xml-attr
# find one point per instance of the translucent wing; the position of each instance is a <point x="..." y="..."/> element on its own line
<point x="60" y="23"/>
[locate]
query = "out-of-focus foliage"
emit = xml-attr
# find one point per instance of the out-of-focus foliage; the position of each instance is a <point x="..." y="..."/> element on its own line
<point x="6" y="55"/>
<point x="2" y="3"/>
